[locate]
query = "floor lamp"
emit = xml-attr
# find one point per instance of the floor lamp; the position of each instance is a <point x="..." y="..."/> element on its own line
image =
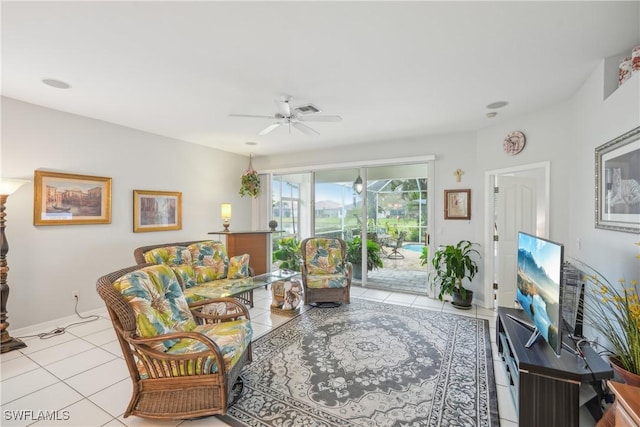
<point x="8" y="343"/>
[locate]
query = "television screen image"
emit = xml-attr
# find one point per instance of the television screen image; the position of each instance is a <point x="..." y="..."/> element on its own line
<point x="538" y="286"/>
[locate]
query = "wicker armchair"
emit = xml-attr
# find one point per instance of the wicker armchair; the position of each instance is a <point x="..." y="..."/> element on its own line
<point x="326" y="275"/>
<point x="184" y="361"/>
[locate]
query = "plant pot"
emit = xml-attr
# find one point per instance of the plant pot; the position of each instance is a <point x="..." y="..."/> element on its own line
<point x="357" y="271"/>
<point x="628" y="376"/>
<point x="462" y="303"/>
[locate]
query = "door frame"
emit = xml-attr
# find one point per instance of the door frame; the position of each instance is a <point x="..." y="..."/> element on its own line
<point x="489" y="180"/>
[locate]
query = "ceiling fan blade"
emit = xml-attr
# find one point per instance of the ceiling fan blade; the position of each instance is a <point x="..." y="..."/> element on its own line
<point x="304" y="128"/>
<point x="283" y="107"/>
<point x="252" y="116"/>
<point x="320" y="118"/>
<point x="269" y="128"/>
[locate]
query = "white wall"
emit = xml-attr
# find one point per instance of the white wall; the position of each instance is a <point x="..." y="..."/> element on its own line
<point x="48" y="262"/>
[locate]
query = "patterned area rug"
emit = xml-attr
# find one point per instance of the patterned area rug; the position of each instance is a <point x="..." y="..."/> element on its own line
<point x="370" y="364"/>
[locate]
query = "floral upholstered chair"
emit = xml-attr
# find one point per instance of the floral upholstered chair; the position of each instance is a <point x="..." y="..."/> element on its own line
<point x="326" y="275"/>
<point x="184" y="360"/>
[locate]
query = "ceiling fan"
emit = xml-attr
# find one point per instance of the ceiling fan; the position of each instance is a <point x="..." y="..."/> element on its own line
<point x="293" y="116"/>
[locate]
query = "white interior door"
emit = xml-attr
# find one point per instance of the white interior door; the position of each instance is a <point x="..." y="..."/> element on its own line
<point x="515" y="210"/>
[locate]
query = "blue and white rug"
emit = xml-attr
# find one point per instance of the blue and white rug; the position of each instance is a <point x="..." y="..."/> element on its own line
<point x="370" y="364"/>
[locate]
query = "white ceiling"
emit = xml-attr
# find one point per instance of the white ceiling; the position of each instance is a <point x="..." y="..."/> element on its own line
<point x="390" y="69"/>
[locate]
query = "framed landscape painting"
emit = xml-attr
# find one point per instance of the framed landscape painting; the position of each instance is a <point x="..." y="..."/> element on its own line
<point x="69" y="199"/>
<point x="457" y="204"/>
<point x="156" y="211"/>
<point x="618" y="183"/>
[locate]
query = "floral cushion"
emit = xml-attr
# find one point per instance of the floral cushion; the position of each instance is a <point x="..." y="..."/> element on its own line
<point x="238" y="267"/>
<point x="338" y="280"/>
<point x="157" y="301"/>
<point x="172" y="255"/>
<point x="205" y="273"/>
<point x="324" y="256"/>
<point x="209" y="254"/>
<point x="186" y="274"/>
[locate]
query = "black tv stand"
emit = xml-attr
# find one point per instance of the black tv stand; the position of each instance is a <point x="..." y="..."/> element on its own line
<point x="546" y="387"/>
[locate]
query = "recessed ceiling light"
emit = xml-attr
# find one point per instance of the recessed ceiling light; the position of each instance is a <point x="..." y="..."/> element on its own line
<point x="498" y="104"/>
<point x="59" y="84"/>
<point x="251" y="143"/>
<point x="492" y="114"/>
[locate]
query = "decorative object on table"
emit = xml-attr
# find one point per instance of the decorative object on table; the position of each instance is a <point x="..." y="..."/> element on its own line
<point x="514" y="143"/>
<point x="7" y="343"/>
<point x="287" y="295"/>
<point x="625" y="69"/>
<point x="69" y="199"/>
<point x="635" y="60"/>
<point x="156" y="211"/>
<point x="250" y="181"/>
<point x="457" y="204"/>
<point x="458" y="174"/>
<point x="273" y="224"/>
<point x="613" y="310"/>
<point x="385" y="358"/>
<point x="354" y="255"/>
<point x="618" y="183"/>
<point x="451" y="265"/>
<point x="225" y="214"/>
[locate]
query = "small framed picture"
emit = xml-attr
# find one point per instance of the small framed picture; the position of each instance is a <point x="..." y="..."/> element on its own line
<point x="69" y="199"/>
<point x="618" y="183"/>
<point x="156" y="211"/>
<point x="457" y="204"/>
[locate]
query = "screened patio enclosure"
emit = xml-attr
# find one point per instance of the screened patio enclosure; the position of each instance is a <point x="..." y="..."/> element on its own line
<point x="391" y="209"/>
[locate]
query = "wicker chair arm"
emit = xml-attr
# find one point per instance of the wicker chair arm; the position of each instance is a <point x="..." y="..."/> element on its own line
<point x="153" y="358"/>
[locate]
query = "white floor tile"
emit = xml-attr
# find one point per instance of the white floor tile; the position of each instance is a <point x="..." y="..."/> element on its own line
<point x="114" y="399"/>
<point x="269" y="319"/>
<point x="204" y="422"/>
<point x="133" y="421"/>
<point x="80" y="414"/>
<point x="56" y="397"/>
<point x="22" y="385"/>
<point x="375" y="295"/>
<point x="259" y="330"/>
<point x="101" y="337"/>
<point x="88" y="328"/>
<point x="113" y="347"/>
<point x="79" y="363"/>
<point x="61" y="351"/>
<point x="5" y="357"/>
<point x="36" y="344"/>
<point x="398" y="298"/>
<point x="98" y="378"/>
<point x="424" y="301"/>
<point x="16" y="366"/>
<point x="113" y="423"/>
<point x="356" y="291"/>
<point x="506" y="408"/>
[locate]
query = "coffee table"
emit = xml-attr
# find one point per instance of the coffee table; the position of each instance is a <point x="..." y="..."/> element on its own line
<point x="242" y="289"/>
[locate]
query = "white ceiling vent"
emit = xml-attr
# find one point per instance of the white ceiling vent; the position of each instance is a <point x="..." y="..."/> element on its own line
<point x="307" y="109"/>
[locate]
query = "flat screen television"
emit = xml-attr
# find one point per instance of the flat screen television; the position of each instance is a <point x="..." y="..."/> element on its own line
<point x="538" y="287"/>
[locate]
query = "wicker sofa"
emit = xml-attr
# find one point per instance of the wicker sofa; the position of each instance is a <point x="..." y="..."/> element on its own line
<point x="202" y="266"/>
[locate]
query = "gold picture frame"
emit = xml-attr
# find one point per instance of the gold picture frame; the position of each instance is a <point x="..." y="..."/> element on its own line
<point x="70" y="199"/>
<point x="457" y="204"/>
<point x="156" y="211"/>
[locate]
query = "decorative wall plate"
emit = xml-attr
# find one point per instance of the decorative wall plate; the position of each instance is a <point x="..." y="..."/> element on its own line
<point x="514" y="143"/>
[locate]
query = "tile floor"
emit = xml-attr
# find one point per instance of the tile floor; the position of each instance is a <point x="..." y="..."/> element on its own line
<point x="82" y="375"/>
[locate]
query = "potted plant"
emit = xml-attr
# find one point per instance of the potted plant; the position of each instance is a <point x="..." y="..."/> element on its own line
<point x="288" y="253"/>
<point x="354" y="255"/>
<point x="250" y="182"/>
<point x="452" y="264"/>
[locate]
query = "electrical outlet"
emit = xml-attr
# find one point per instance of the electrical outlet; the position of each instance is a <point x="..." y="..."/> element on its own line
<point x="75" y="295"/>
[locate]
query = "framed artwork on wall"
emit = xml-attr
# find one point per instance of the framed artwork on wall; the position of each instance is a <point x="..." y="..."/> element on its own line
<point x="69" y="199"/>
<point x="457" y="204"/>
<point x="618" y="183"/>
<point x="156" y="211"/>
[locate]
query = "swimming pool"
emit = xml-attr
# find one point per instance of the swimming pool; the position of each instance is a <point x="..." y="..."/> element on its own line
<point x="415" y="247"/>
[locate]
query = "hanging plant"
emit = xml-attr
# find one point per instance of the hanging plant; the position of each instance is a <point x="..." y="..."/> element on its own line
<point x="250" y="182"/>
